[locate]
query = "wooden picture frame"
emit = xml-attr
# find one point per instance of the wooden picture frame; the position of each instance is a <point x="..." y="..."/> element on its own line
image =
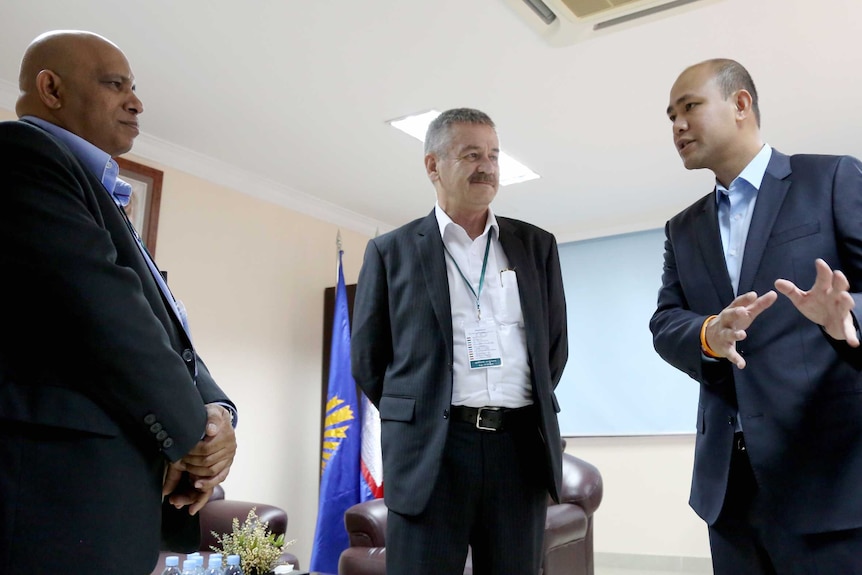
<point x="143" y="208"/>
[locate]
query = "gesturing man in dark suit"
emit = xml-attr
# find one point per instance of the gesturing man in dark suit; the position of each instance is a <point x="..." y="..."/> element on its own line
<point x="459" y="339"/>
<point x="104" y="405"/>
<point x="778" y="456"/>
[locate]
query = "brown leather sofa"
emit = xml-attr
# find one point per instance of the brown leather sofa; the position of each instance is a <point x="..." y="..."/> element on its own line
<point x="568" y="528"/>
<point x="218" y="514"/>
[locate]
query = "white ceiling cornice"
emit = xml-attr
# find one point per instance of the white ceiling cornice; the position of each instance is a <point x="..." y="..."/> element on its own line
<point x="223" y="174"/>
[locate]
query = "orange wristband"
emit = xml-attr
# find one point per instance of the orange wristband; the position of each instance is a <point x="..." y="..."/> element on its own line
<point x="703" y="345"/>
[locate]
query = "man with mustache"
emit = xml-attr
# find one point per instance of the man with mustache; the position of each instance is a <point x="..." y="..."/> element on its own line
<point x="105" y="407"/>
<point x="459" y="339"/>
<point x="778" y="453"/>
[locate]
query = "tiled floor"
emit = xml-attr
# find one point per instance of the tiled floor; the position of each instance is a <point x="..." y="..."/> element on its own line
<point x="616" y="564"/>
<point x="620" y="571"/>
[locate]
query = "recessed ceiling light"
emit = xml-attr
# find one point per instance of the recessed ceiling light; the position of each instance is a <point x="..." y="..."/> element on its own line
<point x="511" y="170"/>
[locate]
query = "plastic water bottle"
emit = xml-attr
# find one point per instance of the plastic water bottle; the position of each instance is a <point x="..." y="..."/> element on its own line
<point x="233" y="567"/>
<point x="214" y="567"/>
<point x="199" y="567"/>
<point x="190" y="567"/>
<point x="172" y="563"/>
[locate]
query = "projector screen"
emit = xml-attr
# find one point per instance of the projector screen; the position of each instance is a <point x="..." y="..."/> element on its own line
<point x="615" y="383"/>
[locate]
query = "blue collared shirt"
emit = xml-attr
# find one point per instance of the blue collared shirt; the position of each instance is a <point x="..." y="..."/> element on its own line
<point x="98" y="162"/>
<point x="735" y="208"/>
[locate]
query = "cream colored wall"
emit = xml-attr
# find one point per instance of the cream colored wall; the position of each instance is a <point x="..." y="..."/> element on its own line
<point x="644" y="509"/>
<point x="252" y="277"/>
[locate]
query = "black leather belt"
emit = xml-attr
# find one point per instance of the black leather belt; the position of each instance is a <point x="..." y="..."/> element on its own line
<point x="739" y="441"/>
<point x="494" y="418"/>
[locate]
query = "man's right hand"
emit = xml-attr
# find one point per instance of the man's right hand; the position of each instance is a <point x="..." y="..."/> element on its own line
<point x="206" y="465"/>
<point x="728" y="327"/>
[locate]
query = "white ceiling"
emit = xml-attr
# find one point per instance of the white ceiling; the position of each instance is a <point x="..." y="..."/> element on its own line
<point x="288" y="99"/>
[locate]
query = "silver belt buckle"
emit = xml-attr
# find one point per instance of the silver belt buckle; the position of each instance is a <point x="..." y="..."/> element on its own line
<point x="479" y="418"/>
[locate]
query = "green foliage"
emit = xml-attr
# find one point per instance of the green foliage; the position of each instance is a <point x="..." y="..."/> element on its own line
<point x="258" y="548"/>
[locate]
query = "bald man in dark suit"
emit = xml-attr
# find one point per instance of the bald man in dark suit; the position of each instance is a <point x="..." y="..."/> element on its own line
<point x="105" y="406"/>
<point x="778" y="456"/>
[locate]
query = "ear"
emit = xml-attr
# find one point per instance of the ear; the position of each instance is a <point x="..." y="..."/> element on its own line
<point x="431" y="166"/>
<point x="742" y="100"/>
<point x="48" y="87"/>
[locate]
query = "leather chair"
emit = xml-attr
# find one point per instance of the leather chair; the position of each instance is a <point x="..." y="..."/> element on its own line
<point x="568" y="528"/>
<point x="218" y="515"/>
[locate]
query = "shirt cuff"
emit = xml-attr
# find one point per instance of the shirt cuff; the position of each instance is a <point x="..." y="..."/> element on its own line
<point x="234" y="416"/>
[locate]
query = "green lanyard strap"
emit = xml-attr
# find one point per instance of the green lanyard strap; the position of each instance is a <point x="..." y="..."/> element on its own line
<point x="481" y="278"/>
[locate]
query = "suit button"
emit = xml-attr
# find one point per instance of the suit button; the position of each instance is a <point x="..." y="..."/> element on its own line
<point x="156" y="427"/>
<point x="188" y="355"/>
<point x="445" y="414"/>
<point x="161" y="435"/>
<point x="731" y="420"/>
<point x="149" y="419"/>
<point x="168" y="443"/>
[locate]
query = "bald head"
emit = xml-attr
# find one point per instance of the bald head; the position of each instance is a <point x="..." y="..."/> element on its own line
<point x="82" y="82"/>
<point x="731" y="76"/>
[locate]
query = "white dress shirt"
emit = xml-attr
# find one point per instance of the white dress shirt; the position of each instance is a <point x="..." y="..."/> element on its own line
<point x="509" y="384"/>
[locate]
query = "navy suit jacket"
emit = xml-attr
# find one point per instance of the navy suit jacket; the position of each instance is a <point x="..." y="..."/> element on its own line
<point x="97" y="376"/>
<point x="401" y="348"/>
<point x="800" y="394"/>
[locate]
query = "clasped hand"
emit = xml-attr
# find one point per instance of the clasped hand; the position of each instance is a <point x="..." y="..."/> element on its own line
<point x="828" y="303"/>
<point x="207" y="464"/>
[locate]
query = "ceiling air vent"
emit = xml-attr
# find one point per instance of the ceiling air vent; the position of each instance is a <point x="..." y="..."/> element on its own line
<point x="563" y="22"/>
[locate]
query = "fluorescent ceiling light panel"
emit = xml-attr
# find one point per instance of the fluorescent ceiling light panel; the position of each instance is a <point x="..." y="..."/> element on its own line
<point x="511" y="170"/>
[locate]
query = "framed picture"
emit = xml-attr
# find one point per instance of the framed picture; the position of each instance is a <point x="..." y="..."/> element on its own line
<point x="143" y="208"/>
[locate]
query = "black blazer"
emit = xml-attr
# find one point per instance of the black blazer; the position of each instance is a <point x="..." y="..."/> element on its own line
<point x="97" y="386"/>
<point x="800" y="396"/>
<point x="401" y="347"/>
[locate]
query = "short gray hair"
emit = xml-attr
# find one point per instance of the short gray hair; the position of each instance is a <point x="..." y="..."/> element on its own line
<point x="437" y="136"/>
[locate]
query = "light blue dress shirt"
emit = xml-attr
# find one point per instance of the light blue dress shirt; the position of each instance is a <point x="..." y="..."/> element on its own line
<point x="735" y="208"/>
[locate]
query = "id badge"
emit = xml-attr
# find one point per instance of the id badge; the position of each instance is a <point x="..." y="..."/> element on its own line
<point x="483" y="344"/>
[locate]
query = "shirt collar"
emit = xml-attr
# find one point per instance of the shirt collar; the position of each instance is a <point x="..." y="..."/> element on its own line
<point x="753" y="172"/>
<point x="444" y="221"/>
<point x="96" y="161"/>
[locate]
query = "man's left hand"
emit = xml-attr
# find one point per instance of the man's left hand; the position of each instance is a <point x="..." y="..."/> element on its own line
<point x="828" y="303"/>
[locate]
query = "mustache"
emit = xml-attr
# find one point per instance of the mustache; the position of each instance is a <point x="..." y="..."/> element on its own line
<point x="483" y="179"/>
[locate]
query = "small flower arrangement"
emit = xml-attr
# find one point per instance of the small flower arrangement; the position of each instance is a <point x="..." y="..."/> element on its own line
<point x="258" y="548"/>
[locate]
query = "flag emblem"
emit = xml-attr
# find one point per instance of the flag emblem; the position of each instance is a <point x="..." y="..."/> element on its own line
<point x="335" y="428"/>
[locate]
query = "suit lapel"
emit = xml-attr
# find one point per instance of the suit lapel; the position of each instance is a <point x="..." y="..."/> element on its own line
<point x="528" y="281"/>
<point x="709" y="241"/>
<point x="770" y="197"/>
<point x="429" y="246"/>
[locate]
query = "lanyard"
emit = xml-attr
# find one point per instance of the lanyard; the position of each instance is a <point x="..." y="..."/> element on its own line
<point x="481" y="278"/>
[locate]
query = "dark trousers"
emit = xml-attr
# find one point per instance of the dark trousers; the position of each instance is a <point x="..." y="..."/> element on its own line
<point x="746" y="540"/>
<point x="490" y="495"/>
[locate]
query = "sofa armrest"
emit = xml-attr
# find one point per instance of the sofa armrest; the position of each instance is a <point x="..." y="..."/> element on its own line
<point x="362" y="561"/>
<point x="582" y="484"/>
<point x="366" y="524"/>
<point x="564" y="523"/>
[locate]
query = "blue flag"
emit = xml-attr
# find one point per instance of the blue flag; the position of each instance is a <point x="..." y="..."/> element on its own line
<point x="342" y="442"/>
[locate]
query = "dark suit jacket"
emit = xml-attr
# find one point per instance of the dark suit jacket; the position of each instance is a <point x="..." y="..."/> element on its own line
<point x="97" y="387"/>
<point x="402" y="347"/>
<point x="799" y="396"/>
